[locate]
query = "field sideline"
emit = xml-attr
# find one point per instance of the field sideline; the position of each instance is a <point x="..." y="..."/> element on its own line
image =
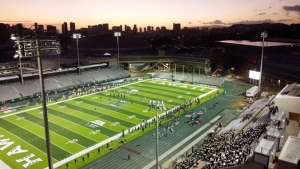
<point x="83" y="123"/>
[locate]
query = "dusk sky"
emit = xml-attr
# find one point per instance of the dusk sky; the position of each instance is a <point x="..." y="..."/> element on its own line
<point x="148" y="12"/>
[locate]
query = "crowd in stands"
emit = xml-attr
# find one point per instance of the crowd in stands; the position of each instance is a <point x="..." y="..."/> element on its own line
<point x="224" y="150"/>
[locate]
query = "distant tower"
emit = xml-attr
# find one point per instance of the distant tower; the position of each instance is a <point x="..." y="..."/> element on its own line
<point x="72" y="27"/>
<point x="64" y="28"/>
<point x="134" y="30"/>
<point x="176" y="27"/>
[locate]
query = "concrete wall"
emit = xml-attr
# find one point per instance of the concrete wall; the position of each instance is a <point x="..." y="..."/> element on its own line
<point x="285" y="165"/>
<point x="248" y="166"/>
<point x="288" y="104"/>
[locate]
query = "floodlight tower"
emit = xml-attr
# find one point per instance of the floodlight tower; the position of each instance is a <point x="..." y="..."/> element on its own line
<point x="117" y="34"/>
<point x="18" y="54"/>
<point x="263" y="35"/>
<point x="157" y="107"/>
<point x="77" y="36"/>
<point x="36" y="47"/>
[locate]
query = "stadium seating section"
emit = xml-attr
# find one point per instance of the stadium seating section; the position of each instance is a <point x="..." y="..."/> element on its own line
<point x="15" y="90"/>
<point x="215" y="81"/>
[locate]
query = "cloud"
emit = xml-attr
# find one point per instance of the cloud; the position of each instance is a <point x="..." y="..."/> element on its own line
<point x="15" y="21"/>
<point x="285" y="20"/>
<point x="248" y="22"/>
<point x="217" y="22"/>
<point x="261" y="14"/>
<point x="190" y="22"/>
<point x="295" y="8"/>
<point x="262" y="9"/>
<point x="275" y="13"/>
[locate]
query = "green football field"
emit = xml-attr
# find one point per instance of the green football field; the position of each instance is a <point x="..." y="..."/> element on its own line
<point x="83" y="123"/>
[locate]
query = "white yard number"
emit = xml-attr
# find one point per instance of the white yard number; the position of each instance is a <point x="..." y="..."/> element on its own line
<point x="188" y="93"/>
<point x="115" y="123"/>
<point x="95" y="98"/>
<point x="20" y="118"/>
<point x="130" y="117"/>
<point x="179" y="97"/>
<point x="62" y="107"/>
<point x="170" y="101"/>
<point x="95" y="132"/>
<point x="72" y="141"/>
<point x="79" y="102"/>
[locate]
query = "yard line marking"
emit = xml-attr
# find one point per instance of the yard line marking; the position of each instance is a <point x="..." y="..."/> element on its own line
<point x="68" y="127"/>
<point x="94" y="117"/>
<point x="108" y="114"/>
<point x="28" y="143"/>
<point x="24" y="111"/>
<point x="53" y="131"/>
<point x="39" y="136"/>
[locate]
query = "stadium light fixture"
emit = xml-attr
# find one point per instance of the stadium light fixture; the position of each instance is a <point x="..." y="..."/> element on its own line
<point x="263" y="35"/>
<point x="38" y="49"/>
<point x="13" y="37"/>
<point x="117" y="34"/>
<point x="77" y="36"/>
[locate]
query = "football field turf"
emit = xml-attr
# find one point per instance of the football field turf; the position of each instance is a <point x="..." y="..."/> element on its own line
<point x="79" y="123"/>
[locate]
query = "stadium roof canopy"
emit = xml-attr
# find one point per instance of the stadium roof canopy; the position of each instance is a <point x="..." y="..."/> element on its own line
<point x="255" y="43"/>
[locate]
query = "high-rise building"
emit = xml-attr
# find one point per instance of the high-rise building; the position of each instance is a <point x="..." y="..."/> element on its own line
<point x="163" y="30"/>
<point x="135" y="30"/>
<point x="121" y="28"/>
<point x="127" y="29"/>
<point x="64" y="28"/>
<point x="35" y="26"/>
<point x="41" y="28"/>
<point x="140" y="30"/>
<point x="105" y="27"/>
<point x="148" y="28"/>
<point x="157" y="30"/>
<point x="145" y="29"/>
<point x="116" y="28"/>
<point x="72" y="27"/>
<point x="100" y="29"/>
<point x="51" y="30"/>
<point x="176" y="27"/>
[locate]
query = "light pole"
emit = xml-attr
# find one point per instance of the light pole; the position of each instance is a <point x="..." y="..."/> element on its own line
<point x="77" y="36"/>
<point x="278" y="86"/>
<point x="263" y="35"/>
<point x="117" y="34"/>
<point x="158" y="106"/>
<point x="38" y="48"/>
<point x="18" y="54"/>
<point x="232" y="69"/>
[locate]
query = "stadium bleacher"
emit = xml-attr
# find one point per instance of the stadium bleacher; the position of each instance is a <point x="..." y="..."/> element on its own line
<point x="14" y="90"/>
<point x="215" y="81"/>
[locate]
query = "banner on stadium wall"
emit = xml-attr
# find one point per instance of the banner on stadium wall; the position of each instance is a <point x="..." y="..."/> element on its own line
<point x="140" y="79"/>
<point x="212" y="86"/>
<point x="187" y="82"/>
<point x="178" y="81"/>
<point x="156" y="78"/>
<point x="4" y="108"/>
<point x="217" y="87"/>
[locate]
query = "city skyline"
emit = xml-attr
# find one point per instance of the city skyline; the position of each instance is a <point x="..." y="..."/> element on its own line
<point x="188" y="13"/>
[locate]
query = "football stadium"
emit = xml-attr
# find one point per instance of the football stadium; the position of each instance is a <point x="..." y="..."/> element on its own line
<point x="108" y="101"/>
